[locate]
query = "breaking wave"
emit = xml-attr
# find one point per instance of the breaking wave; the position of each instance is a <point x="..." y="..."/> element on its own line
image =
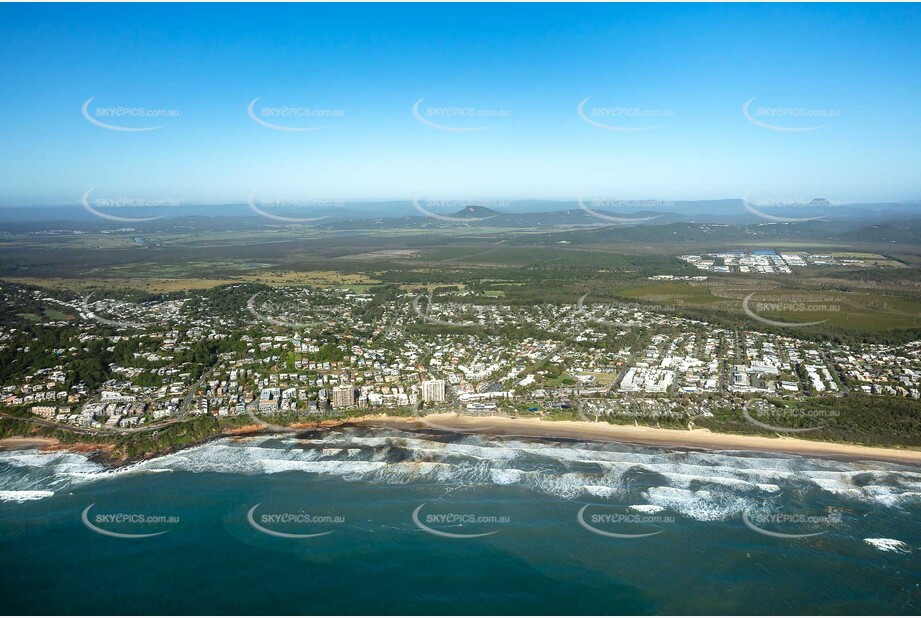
<point x="701" y="485"/>
<point x="24" y="495"/>
<point x="890" y="545"/>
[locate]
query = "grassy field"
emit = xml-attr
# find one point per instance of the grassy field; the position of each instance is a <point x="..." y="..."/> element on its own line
<point x="158" y="285"/>
<point x="842" y="309"/>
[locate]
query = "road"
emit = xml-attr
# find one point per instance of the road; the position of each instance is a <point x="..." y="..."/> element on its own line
<point x="543" y="359"/>
<point x="187" y="400"/>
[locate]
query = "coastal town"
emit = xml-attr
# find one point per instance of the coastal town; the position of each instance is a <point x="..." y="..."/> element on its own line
<point x="304" y="353"/>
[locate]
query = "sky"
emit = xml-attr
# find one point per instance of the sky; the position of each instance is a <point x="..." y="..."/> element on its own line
<point x="835" y="113"/>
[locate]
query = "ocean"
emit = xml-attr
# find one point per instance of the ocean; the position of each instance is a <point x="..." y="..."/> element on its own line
<point x="362" y="520"/>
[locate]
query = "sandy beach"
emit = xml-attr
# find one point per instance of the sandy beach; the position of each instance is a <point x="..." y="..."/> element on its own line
<point x="533" y="427"/>
<point x="650" y="436"/>
<point x="22" y="443"/>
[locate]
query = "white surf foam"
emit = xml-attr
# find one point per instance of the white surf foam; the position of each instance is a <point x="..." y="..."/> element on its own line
<point x="600" y="491"/>
<point x="24" y="495"/>
<point x="701" y="485"/>
<point x="646" y="508"/>
<point x="890" y="545"/>
<point x="702" y="504"/>
<point x="505" y="476"/>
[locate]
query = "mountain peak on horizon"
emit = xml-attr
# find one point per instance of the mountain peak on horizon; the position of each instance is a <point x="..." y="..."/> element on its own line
<point x="473" y="210"/>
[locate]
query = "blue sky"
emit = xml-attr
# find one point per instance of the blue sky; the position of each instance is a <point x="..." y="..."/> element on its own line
<point x="684" y="70"/>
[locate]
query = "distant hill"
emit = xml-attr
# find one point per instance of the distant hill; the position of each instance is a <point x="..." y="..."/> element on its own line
<point x="472" y="211"/>
<point x="834" y="231"/>
<point x="525" y="214"/>
<point x="907" y="234"/>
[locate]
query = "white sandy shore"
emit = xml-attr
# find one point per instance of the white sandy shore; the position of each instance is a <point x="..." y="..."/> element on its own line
<point x="697" y="438"/>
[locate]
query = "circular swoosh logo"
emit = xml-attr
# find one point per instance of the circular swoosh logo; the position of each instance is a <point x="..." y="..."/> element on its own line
<point x="85" y="201"/>
<point x="772" y="127"/>
<point x="84" y="517"/>
<point x="251" y="307"/>
<point x="751" y="420"/>
<point x="251" y="112"/>
<point x="278" y="428"/>
<point x="425" y="315"/>
<point x="252" y="204"/>
<point x="441" y="127"/>
<point x="111" y="127"/>
<point x="755" y="316"/>
<point x="447" y="535"/>
<point x="611" y="218"/>
<point x="282" y="535"/>
<point x="262" y="423"/>
<point x="613" y="535"/>
<point x="765" y="215"/>
<point x="777" y="535"/>
<point x="581" y="111"/>
<point x="94" y="316"/>
<point x="580" y="306"/>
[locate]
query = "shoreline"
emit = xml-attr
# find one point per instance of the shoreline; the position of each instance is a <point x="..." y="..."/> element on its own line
<point x="647" y="436"/>
<point x="530" y="427"/>
<point x="15" y="443"/>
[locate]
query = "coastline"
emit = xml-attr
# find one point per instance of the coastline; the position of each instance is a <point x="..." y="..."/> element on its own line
<point x="531" y="427"/>
<point x="646" y="436"/>
<point x="22" y="442"/>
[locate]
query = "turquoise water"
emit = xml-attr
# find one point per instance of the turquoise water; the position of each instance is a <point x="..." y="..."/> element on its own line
<point x="519" y="500"/>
